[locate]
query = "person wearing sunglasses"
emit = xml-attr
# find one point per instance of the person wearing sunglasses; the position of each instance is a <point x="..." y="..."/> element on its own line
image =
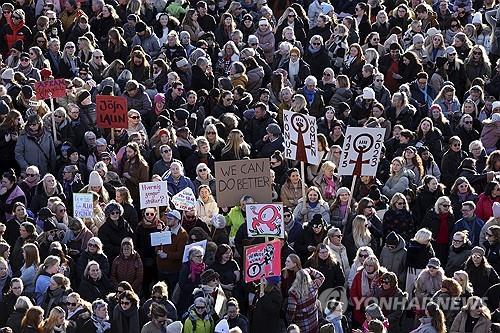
<point x="114" y="230"/>
<point x="451" y="161"/>
<point x="440" y="221"/>
<point x="26" y="67"/>
<point x="93" y="252"/>
<point x="17" y="29"/>
<point x="198" y="317"/>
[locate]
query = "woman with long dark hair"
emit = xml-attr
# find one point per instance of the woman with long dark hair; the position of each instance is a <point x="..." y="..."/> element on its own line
<point x="325" y="262"/>
<point x="10" y="194"/>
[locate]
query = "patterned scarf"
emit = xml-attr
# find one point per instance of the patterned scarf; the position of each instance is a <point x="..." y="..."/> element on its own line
<point x="101" y="325"/>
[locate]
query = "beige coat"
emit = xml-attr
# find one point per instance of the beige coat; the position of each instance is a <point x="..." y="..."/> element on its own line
<point x="458" y="326"/>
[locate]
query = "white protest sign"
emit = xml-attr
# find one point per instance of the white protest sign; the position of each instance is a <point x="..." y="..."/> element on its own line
<point x="161" y="238"/>
<point x="361" y="151"/>
<point x="185" y="256"/>
<point x="83" y="205"/>
<point x="301" y="137"/>
<point x="153" y="194"/>
<point x="184" y="200"/>
<point x="264" y="220"/>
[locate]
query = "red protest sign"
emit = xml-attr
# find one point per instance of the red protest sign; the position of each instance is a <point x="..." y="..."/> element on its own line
<point x="262" y="260"/>
<point x="50" y="89"/>
<point x="111" y="111"/>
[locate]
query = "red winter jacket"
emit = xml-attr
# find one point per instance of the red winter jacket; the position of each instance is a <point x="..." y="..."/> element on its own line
<point x="484" y="207"/>
<point x="12" y="33"/>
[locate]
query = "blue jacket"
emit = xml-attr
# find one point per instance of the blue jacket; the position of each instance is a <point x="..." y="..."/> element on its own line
<point x="174" y="188"/>
<point x="473" y="227"/>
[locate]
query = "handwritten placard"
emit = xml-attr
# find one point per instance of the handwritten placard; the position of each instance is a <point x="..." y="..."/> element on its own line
<point x="153" y="194"/>
<point x="234" y="179"/>
<point x="50" y="89"/>
<point x="83" y="205"/>
<point x="184" y="200"/>
<point x="111" y="111"/>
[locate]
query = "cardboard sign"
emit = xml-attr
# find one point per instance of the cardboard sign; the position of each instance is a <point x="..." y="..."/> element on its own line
<point x="83" y="205"/>
<point x="361" y="151"/>
<point x="111" y="111"/>
<point x="265" y="220"/>
<point x="184" y="200"/>
<point x="185" y="256"/>
<point x="153" y="194"/>
<point x="301" y="137"/>
<point x="161" y="238"/>
<point x="50" y="89"/>
<point x="237" y="178"/>
<point x="262" y="260"/>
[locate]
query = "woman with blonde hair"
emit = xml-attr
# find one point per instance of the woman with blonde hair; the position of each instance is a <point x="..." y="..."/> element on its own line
<point x="327" y="181"/>
<point x="462" y="277"/>
<point x="214" y="140"/>
<point x="46" y="188"/>
<point x="79" y="310"/>
<point x="359" y="236"/>
<point x="366" y="281"/>
<point x="69" y="63"/>
<point x="400" y="178"/>
<point x="301" y="305"/>
<point x="236" y="148"/>
<point x="85" y="49"/>
<point x="476" y="312"/>
<point x="399" y="218"/>
<point x="56" y="321"/>
<point x="228" y="55"/>
<point x="299" y="104"/>
<point x="440" y="221"/>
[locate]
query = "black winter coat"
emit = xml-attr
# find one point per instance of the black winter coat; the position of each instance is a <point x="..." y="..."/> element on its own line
<point x="91" y="290"/>
<point x="111" y="235"/>
<point x="449" y="166"/>
<point x="418" y="255"/>
<point x="267" y="310"/>
<point x="424" y="201"/>
<point x="317" y="61"/>
<point x="334" y="276"/>
<point x="84" y="259"/>
<point x="399" y="221"/>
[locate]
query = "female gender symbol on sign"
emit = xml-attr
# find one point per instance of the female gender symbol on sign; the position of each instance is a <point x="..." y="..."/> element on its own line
<point x="361" y="144"/>
<point x="301" y="126"/>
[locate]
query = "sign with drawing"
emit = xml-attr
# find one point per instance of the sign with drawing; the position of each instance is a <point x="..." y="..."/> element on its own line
<point x="262" y="260"/>
<point x="361" y="151"/>
<point x="265" y="220"/>
<point x="301" y="137"/>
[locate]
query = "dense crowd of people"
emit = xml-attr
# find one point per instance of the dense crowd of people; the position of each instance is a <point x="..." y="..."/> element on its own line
<point x="414" y="248"/>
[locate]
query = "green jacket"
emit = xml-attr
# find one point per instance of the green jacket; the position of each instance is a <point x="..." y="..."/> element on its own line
<point x="195" y="324"/>
<point x="234" y="220"/>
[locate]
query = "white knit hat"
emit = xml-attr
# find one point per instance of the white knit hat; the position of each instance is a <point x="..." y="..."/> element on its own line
<point x="477" y="18"/>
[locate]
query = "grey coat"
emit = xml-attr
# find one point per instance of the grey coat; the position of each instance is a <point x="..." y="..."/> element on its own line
<point x="397" y="183"/>
<point x="456" y="259"/>
<point x="150" y="43"/>
<point x="395" y="260"/>
<point x="28" y="152"/>
<point x="140" y="102"/>
<point x="458" y="326"/>
<point x="425" y="326"/>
